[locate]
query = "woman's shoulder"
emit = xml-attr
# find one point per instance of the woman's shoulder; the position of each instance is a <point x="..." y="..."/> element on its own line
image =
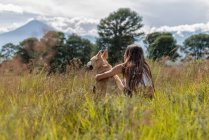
<point x="117" y="68"/>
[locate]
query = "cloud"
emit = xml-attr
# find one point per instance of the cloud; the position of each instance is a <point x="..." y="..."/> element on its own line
<point x="88" y="26"/>
<point x="78" y="25"/>
<point x="173" y="12"/>
<point x="71" y="8"/>
<point x="10" y="8"/>
<point x="82" y="17"/>
<point x="200" y="27"/>
<point x="155" y="13"/>
<point x="9" y="27"/>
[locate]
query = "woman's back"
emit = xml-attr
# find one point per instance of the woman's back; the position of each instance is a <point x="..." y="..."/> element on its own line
<point x="145" y="80"/>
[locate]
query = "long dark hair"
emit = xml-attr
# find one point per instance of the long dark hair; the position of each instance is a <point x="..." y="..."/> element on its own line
<point x="134" y="66"/>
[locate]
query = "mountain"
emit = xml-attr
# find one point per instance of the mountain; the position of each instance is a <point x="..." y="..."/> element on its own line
<point x="33" y="28"/>
<point x="36" y="28"/>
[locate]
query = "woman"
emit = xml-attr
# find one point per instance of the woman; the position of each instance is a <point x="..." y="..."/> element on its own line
<point x="136" y="72"/>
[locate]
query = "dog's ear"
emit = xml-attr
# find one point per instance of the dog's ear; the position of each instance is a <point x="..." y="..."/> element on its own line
<point x="99" y="54"/>
<point x="105" y="54"/>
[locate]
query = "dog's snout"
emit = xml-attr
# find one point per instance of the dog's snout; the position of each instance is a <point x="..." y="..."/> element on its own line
<point x="89" y="66"/>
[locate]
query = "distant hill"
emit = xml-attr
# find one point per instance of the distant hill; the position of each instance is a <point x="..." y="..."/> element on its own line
<point x="33" y="28"/>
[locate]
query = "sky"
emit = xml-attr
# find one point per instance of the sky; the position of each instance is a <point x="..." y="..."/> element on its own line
<point x="82" y="16"/>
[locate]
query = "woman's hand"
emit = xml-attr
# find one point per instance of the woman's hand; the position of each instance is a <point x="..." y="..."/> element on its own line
<point x="97" y="77"/>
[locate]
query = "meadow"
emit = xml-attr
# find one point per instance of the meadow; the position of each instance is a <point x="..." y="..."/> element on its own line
<point x="36" y="106"/>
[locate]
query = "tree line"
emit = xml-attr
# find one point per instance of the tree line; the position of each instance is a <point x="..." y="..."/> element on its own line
<point x="55" y="51"/>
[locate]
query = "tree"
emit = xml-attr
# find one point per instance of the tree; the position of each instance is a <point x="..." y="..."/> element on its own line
<point x="79" y="48"/>
<point x="68" y="49"/>
<point x="150" y="38"/>
<point x="48" y="51"/>
<point x="117" y="31"/>
<point x="54" y="51"/>
<point x="27" y="49"/>
<point x="196" y="45"/>
<point x="161" y="44"/>
<point x="8" y="51"/>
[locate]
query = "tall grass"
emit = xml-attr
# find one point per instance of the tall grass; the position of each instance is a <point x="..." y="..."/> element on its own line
<point x="63" y="107"/>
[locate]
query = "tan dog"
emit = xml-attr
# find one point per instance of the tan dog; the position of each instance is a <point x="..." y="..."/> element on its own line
<point x="100" y="65"/>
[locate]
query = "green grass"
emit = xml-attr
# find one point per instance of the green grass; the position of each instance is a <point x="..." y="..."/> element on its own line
<point x="64" y="107"/>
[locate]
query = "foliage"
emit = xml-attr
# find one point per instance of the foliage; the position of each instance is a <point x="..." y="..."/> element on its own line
<point x="64" y="107"/>
<point x="8" y="51"/>
<point x="27" y="49"/>
<point x="117" y="31"/>
<point x="53" y="52"/>
<point x="150" y="38"/>
<point x="161" y="44"/>
<point x="196" y="45"/>
<point x="72" y="47"/>
<point x="79" y="48"/>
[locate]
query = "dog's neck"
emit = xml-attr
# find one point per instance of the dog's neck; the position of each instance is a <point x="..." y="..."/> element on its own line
<point x="103" y="68"/>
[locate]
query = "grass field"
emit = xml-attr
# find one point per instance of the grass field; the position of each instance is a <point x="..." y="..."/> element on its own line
<point x="64" y="107"/>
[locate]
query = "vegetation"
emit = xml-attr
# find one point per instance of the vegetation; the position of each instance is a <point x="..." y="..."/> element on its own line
<point x="197" y="45"/>
<point x="79" y="48"/>
<point x="117" y="31"/>
<point x="64" y="107"/>
<point x="7" y="51"/>
<point x="161" y="44"/>
<point x="53" y="52"/>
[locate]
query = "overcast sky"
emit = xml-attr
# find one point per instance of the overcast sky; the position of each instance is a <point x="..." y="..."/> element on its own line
<point x="155" y="13"/>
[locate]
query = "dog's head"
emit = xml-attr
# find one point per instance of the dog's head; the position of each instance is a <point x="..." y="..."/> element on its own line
<point x="98" y="60"/>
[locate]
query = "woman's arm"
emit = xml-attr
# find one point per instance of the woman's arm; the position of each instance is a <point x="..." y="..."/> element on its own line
<point x="115" y="70"/>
